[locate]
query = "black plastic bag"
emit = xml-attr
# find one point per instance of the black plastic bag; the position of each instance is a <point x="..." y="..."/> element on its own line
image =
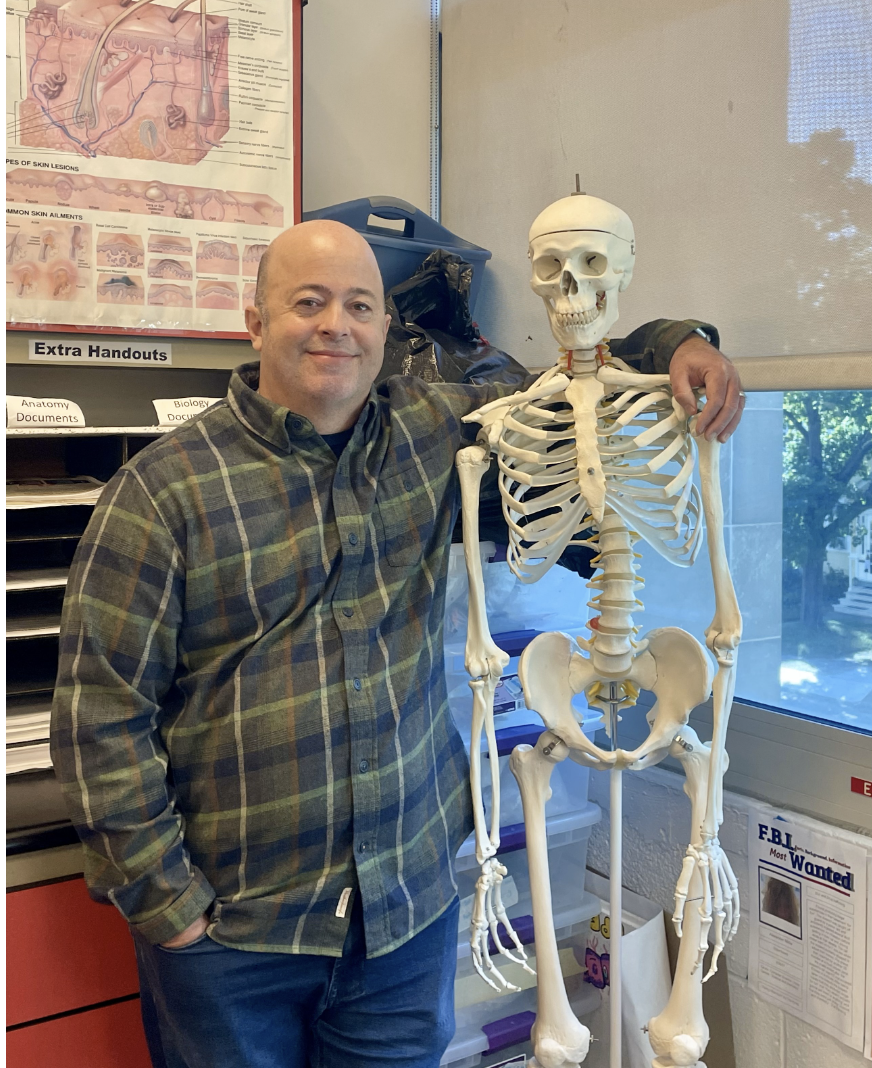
<point x="432" y="336"/>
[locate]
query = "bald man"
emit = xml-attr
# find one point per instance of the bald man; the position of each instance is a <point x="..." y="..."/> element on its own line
<point x="250" y="720"/>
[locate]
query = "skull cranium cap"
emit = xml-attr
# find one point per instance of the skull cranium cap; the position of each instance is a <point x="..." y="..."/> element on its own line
<point x="583" y="213"/>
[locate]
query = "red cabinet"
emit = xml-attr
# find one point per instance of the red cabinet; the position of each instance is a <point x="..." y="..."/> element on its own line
<point x="109" y="1037"/>
<point x="67" y="953"/>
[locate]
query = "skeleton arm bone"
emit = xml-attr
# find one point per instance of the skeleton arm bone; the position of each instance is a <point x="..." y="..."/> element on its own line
<point x="485" y="662"/>
<point x="725" y="631"/>
<point x="708" y="859"/>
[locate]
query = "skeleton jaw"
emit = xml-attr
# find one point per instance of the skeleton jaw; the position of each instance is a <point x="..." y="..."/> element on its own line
<point x="580" y="327"/>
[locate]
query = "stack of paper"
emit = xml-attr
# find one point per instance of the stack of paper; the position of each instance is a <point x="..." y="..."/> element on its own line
<point x="49" y="492"/>
<point x="27" y="732"/>
<point x="38" y="579"/>
<point x="33" y="626"/>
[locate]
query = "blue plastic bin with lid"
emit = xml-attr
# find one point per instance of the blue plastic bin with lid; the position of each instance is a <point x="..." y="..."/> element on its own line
<point x="400" y="252"/>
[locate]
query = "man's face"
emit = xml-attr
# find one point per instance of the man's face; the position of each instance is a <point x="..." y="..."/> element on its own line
<point x="322" y="329"/>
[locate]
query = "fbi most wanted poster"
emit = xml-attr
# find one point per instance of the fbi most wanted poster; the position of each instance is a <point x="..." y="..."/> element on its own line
<point x="808" y="917"/>
<point x="149" y="159"/>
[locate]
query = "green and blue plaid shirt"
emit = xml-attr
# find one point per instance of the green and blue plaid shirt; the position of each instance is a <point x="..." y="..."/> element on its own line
<point x="250" y="712"/>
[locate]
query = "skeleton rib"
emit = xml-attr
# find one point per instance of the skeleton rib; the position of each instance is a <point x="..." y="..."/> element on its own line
<point x="534" y="432"/>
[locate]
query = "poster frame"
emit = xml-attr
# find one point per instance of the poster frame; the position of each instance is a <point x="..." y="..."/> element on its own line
<point x="232" y="335"/>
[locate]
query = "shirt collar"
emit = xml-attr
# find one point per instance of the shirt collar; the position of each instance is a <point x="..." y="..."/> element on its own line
<point x="278" y="425"/>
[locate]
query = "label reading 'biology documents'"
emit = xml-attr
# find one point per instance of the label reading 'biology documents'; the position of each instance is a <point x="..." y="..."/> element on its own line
<point x="171" y="411"/>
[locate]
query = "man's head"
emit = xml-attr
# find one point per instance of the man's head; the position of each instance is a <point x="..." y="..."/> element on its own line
<point x="319" y="322"/>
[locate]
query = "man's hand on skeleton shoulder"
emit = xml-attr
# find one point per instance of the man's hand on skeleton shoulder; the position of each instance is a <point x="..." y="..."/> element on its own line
<point x="698" y="365"/>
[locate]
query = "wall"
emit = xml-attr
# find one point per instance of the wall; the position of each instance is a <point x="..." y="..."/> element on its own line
<point x="366" y="101"/>
<point x="678" y="112"/>
<point x="655" y="829"/>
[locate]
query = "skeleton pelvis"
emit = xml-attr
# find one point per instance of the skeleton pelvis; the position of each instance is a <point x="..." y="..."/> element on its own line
<point x="674" y="666"/>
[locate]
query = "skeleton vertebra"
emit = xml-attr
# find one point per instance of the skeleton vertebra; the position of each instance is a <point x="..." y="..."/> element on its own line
<point x="597" y="454"/>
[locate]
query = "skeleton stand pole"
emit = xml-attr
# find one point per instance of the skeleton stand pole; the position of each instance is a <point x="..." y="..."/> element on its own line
<point x="615" y="883"/>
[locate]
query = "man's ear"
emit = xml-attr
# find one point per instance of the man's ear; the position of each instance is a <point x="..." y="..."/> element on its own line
<point x="387" y="325"/>
<point x="254" y="326"/>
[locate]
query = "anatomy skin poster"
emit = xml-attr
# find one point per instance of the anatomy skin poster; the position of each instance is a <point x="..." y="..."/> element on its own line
<point x="150" y="159"/>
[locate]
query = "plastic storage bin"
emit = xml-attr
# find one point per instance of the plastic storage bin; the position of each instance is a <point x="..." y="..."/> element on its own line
<point x="401" y="252"/>
<point x="572" y="906"/>
<point x="492" y="1031"/>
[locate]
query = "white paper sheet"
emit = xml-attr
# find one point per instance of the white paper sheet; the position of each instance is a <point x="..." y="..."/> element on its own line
<point x="42" y="578"/>
<point x="28" y="758"/>
<point x="807" y="918"/>
<point x="867" y="1049"/>
<point x="28" y="727"/>
<point x="52" y="492"/>
<point x="646" y="977"/>
<point x="33" y="626"/>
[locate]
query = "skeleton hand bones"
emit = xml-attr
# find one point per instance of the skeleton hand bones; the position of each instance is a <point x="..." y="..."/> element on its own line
<point x="720" y="901"/>
<point x="487" y="913"/>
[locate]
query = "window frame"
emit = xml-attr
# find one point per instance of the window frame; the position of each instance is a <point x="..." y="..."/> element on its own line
<point x="776" y="754"/>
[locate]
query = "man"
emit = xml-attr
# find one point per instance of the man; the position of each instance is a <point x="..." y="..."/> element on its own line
<point x="250" y="720"/>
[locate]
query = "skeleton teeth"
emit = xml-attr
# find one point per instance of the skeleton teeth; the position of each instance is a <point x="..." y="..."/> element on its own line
<point x="582" y="318"/>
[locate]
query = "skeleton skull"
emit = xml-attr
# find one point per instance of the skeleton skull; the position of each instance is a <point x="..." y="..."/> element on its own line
<point x="582" y="251"/>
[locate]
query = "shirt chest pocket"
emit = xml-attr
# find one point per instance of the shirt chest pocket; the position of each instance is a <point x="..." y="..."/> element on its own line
<point x="405" y="516"/>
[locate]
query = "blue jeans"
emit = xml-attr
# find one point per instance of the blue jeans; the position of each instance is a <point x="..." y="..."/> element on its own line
<point x="208" y="1006"/>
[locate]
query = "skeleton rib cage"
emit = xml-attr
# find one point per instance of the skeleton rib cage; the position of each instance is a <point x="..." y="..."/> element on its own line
<point x="647" y="459"/>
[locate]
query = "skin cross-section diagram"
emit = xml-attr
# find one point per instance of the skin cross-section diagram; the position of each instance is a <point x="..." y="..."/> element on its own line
<point x="134" y="80"/>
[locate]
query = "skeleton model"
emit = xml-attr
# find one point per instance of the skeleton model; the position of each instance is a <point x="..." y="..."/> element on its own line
<point x="595" y="454"/>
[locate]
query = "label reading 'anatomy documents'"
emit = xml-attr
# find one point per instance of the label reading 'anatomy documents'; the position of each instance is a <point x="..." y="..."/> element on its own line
<point x="35" y="412"/>
<point x="808" y="920"/>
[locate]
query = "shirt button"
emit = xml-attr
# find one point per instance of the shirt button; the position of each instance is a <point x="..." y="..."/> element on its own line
<point x="407" y="485"/>
<point x="356" y="683"/>
<point x="363" y="766"/>
<point x="352" y="539"/>
<point x="297" y="424"/>
<point x="348" y="611"/>
<point x="362" y="847"/>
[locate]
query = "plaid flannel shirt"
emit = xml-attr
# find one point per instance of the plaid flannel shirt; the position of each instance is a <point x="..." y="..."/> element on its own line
<point x="250" y="714"/>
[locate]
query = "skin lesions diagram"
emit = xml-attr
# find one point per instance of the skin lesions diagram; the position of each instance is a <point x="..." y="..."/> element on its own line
<point x="169" y="244"/>
<point x="120" y="288"/>
<point x="48" y="261"/>
<point x="85" y="191"/>
<point x="170" y="269"/>
<point x="169" y="295"/>
<point x="119" y="250"/>
<point x="217" y="295"/>
<point x="137" y="80"/>
<point x="217" y="257"/>
<point x="251" y="255"/>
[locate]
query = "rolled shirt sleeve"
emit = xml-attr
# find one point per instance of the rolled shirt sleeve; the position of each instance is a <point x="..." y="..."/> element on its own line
<point x="118" y="653"/>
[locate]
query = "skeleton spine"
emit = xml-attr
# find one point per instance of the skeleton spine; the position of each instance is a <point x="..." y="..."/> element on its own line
<point x="612" y="646"/>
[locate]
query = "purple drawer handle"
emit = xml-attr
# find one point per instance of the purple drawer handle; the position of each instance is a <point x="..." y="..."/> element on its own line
<point x="508" y="1031"/>
<point x="523" y="926"/>
<point x="509" y="737"/>
<point x="512" y="838"/>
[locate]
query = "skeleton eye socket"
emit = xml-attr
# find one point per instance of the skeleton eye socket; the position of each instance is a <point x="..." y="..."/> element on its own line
<point x="593" y="263"/>
<point x="547" y="267"/>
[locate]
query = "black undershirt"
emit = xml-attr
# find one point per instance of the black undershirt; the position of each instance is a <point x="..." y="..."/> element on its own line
<point x="337" y="442"/>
